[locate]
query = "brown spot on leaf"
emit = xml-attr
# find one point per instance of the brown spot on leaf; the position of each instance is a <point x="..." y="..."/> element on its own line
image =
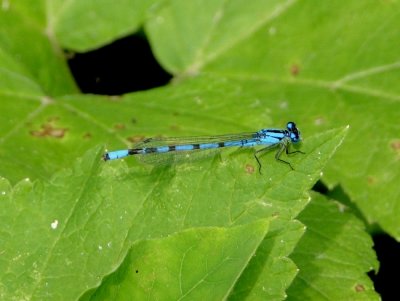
<point x="249" y="168"/>
<point x="294" y="69"/>
<point x="119" y="126"/>
<point x="359" y="288"/>
<point x="371" y="180"/>
<point x="395" y="145"/>
<point x="87" y="136"/>
<point x="49" y="130"/>
<point x="174" y="127"/>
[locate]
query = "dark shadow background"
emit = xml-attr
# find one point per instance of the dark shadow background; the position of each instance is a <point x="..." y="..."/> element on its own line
<point x="127" y="65"/>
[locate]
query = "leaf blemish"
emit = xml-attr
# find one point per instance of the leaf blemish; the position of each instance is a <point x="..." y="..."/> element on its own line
<point x="174" y="127"/>
<point x="371" y="180"/>
<point x="87" y="136"/>
<point x="119" y="126"/>
<point x="49" y="130"/>
<point x="395" y="145"/>
<point x="295" y="69"/>
<point x="249" y="168"/>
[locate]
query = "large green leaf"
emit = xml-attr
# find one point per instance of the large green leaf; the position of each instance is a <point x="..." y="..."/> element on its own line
<point x="333" y="255"/>
<point x="84" y="25"/>
<point x="62" y="236"/>
<point x="202" y="263"/>
<point x="331" y="63"/>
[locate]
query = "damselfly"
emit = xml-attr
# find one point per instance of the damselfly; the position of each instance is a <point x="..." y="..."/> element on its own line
<point x="173" y="150"/>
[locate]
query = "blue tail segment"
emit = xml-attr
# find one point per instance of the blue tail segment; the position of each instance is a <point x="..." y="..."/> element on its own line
<point x="172" y="150"/>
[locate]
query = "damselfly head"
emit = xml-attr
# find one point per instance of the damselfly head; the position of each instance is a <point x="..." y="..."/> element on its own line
<point x="293" y="131"/>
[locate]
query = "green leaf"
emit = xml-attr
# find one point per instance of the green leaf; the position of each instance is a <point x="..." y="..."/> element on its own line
<point x="333" y="255"/>
<point x="270" y="272"/>
<point x="279" y="60"/>
<point x="84" y="25"/>
<point x="185" y="40"/>
<point x="62" y="236"/>
<point x="200" y="263"/>
<point x="329" y="64"/>
<point x="58" y="237"/>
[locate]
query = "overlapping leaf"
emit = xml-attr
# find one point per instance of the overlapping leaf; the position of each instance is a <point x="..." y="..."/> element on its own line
<point x="328" y="255"/>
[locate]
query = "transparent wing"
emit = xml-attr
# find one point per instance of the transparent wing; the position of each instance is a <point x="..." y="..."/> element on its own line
<point x="169" y="141"/>
<point x="176" y="157"/>
<point x="172" y="158"/>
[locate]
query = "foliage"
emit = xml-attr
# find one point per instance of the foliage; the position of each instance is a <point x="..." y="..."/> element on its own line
<point x="75" y="227"/>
